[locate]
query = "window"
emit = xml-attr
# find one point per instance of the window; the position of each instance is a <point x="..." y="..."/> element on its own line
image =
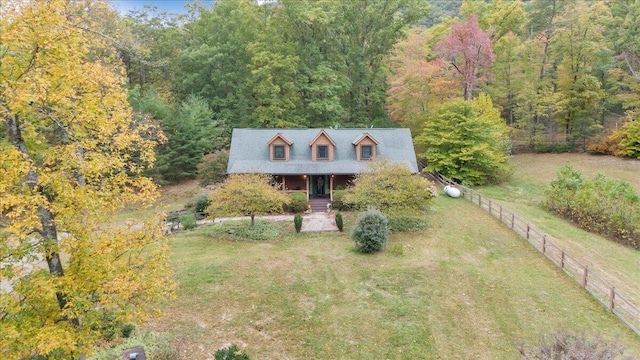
<point x="323" y="152"/>
<point x="278" y="152"/>
<point x="365" y="152"/>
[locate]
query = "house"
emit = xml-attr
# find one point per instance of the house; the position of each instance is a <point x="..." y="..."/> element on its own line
<point x="316" y="161"/>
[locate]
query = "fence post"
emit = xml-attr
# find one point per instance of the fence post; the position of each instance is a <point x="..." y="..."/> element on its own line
<point x="513" y="220"/>
<point x="527" y="231"/>
<point x="612" y="297"/>
<point x="562" y="260"/>
<point x="544" y="243"/>
<point x="584" y="277"/>
<point x="479" y="200"/>
<point x="489" y="206"/>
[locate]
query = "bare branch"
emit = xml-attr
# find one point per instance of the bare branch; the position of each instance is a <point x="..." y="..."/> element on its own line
<point x="626" y="59"/>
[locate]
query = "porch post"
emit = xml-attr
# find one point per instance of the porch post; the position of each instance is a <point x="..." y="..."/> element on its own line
<point x="331" y="188"/>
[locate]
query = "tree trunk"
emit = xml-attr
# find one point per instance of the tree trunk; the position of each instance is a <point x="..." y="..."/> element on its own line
<point x="253" y="221"/>
<point x="49" y="231"/>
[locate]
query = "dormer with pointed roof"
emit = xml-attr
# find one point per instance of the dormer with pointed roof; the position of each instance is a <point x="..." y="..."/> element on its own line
<point x="366" y="147"/>
<point x="279" y="148"/>
<point x="322" y="147"/>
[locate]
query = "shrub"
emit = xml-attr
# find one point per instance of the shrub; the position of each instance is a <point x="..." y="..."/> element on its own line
<point x="212" y="168"/>
<point x="262" y="230"/>
<point x="338" y="200"/>
<point x="231" y="353"/>
<point x="607" y="207"/>
<point x="297" y="202"/>
<point x="555" y="147"/>
<point x="564" y="345"/>
<point x="390" y="187"/>
<point x="201" y="203"/>
<point x="156" y="346"/>
<point x="127" y="330"/>
<point x="297" y="222"/>
<point x="406" y="223"/>
<point x="188" y="221"/>
<point x="371" y="231"/>
<point x="339" y="222"/>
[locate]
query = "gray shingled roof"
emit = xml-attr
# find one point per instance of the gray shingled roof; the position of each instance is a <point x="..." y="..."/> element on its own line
<point x="250" y="151"/>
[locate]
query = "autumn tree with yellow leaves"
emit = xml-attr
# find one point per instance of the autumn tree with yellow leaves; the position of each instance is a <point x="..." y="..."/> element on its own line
<point x="70" y="156"/>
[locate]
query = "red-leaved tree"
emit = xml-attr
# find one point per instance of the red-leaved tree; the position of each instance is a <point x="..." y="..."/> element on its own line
<point x="468" y="49"/>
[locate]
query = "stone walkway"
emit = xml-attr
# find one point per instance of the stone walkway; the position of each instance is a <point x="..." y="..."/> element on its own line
<point x="313" y="222"/>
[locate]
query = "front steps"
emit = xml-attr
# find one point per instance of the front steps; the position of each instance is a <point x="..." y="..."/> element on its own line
<point x="319" y="204"/>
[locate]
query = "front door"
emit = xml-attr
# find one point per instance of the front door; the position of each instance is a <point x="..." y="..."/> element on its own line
<point x="319" y="185"/>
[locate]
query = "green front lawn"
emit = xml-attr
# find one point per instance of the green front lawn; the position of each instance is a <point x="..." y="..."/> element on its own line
<point x="466" y="288"/>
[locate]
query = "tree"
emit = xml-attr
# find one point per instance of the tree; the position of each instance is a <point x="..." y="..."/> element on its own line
<point x="467" y="141"/>
<point x="390" y="187"/>
<point x="212" y="168"/>
<point x="509" y="79"/>
<point x="191" y="133"/>
<point x="417" y="86"/>
<point x="630" y="139"/>
<point x="582" y="45"/>
<point x="468" y="49"/>
<point x="366" y="32"/>
<point x="248" y="195"/>
<point x="215" y="65"/>
<point x="66" y="161"/>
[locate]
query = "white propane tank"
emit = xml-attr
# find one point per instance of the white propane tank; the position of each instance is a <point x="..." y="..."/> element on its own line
<point x="452" y="191"/>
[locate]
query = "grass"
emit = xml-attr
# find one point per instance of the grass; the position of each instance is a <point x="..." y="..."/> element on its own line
<point x="466" y="288"/>
<point x="172" y="198"/>
<point x="616" y="264"/>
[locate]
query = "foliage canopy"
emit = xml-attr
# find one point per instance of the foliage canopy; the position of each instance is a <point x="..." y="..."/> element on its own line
<point x="71" y="154"/>
<point x="390" y="187"/>
<point x="467" y="141"/>
<point x="247" y="195"/>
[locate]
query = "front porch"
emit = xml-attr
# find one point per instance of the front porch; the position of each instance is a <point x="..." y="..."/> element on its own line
<point x="318" y="188"/>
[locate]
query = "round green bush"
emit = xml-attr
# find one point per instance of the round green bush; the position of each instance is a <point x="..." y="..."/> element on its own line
<point x="371" y="231"/>
<point x="297" y="202"/>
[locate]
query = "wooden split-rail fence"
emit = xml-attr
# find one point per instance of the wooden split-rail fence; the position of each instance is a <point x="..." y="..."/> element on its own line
<point x="588" y="279"/>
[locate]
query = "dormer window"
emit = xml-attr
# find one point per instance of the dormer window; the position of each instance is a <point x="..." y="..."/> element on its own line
<point x="279" y="148"/>
<point x="365" y="147"/>
<point x="323" y="152"/>
<point x="278" y="152"/>
<point x="322" y="147"/>
<point x="366" y="152"/>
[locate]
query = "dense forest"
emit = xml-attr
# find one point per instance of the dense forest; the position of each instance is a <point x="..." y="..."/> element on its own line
<point x="562" y="73"/>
